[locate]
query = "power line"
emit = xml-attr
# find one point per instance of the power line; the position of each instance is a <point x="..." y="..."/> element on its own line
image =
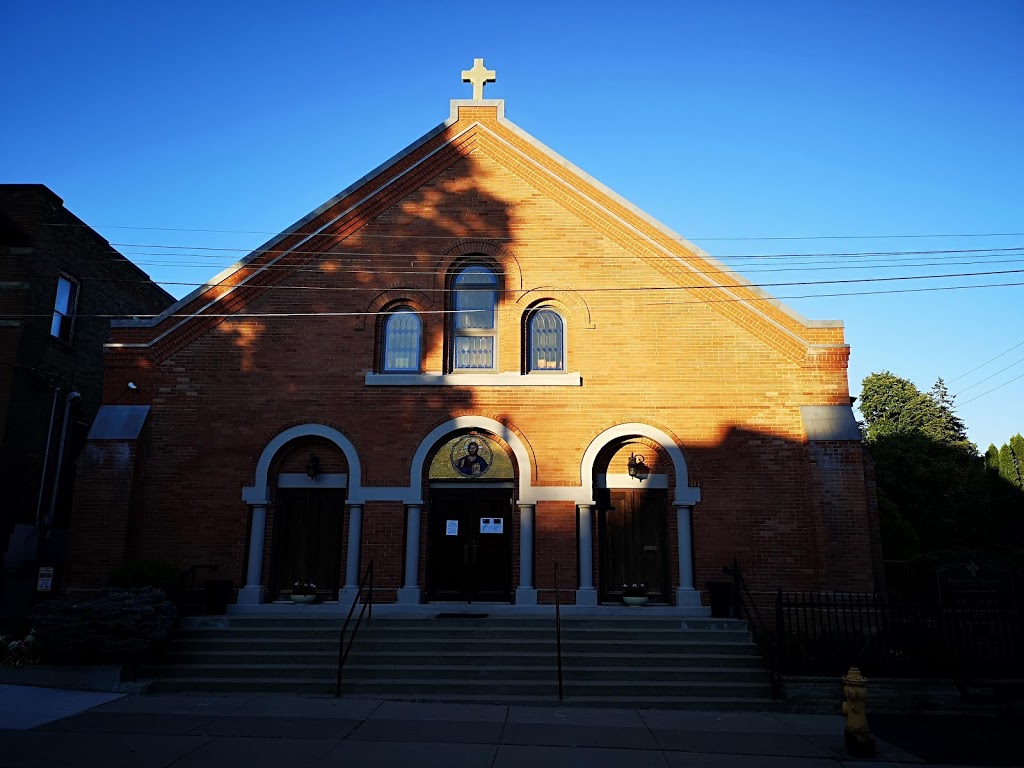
<point x="611" y="289"/>
<point x="978" y="397"/>
<point x="962" y="375"/>
<point x="982" y="381"/>
<point x="704" y="239"/>
<point x="240" y="315"/>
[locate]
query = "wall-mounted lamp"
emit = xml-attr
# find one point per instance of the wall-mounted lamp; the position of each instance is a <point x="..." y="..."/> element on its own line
<point x="313" y="466"/>
<point x="132" y="386"/>
<point x="637" y="468"/>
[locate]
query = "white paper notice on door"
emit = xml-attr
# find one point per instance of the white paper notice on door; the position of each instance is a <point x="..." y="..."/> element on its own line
<point x="492" y="524"/>
<point x="451" y="528"/>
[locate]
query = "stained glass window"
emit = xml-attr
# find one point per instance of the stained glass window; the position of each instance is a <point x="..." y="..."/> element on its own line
<point x="402" y="333"/>
<point x="547" y="341"/>
<point x="473" y="323"/>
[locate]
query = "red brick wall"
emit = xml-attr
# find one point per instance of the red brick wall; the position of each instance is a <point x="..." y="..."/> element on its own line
<point x="102" y="501"/>
<point x="555" y="542"/>
<point x="723" y="378"/>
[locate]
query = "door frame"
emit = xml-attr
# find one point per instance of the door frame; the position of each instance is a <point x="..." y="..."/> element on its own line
<point x="506" y="491"/>
<point x="611" y="593"/>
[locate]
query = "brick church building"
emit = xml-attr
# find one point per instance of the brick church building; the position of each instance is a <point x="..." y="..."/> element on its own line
<point x="470" y="365"/>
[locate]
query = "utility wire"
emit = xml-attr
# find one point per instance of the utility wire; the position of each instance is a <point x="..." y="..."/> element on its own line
<point x="982" y="381"/>
<point x="962" y="375"/>
<point x="612" y="289"/>
<point x="679" y="239"/>
<point x="246" y="316"/>
<point x="978" y="397"/>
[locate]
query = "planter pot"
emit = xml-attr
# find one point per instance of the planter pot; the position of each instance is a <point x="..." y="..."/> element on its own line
<point x="303" y="599"/>
<point x="636" y="602"/>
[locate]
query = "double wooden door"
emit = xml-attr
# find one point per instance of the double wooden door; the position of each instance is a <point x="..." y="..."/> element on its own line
<point x="633" y="538"/>
<point x="306" y="544"/>
<point x="470" y="554"/>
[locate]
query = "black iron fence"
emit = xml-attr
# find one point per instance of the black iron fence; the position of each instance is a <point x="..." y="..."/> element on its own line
<point x="827" y="632"/>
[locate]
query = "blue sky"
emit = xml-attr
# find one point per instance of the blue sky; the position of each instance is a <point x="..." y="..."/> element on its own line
<point x="837" y="120"/>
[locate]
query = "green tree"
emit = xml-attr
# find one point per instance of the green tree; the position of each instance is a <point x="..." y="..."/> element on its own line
<point x="992" y="459"/>
<point x="948" y="427"/>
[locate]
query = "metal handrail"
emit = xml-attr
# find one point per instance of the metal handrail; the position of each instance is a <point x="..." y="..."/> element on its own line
<point x="558" y="632"/>
<point x="745" y="607"/>
<point x="343" y="647"/>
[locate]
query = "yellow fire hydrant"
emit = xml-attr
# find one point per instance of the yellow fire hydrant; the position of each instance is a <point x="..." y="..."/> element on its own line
<point x="859" y="741"/>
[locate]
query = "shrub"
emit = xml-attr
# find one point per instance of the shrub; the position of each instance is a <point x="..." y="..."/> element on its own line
<point x="18" y="653"/>
<point x="147" y="573"/>
<point x="121" y="625"/>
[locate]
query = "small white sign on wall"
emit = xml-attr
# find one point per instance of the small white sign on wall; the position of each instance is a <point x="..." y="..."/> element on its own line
<point x="451" y="528"/>
<point x="492" y="524"/>
<point x="45" y="581"/>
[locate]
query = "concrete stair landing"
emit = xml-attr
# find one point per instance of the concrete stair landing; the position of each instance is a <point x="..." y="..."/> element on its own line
<point x="632" y="661"/>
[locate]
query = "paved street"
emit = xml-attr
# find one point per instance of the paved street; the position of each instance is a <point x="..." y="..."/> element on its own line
<point x="45" y="728"/>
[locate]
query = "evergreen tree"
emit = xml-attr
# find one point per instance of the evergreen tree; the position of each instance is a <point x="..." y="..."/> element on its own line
<point x="992" y="459"/>
<point x="948" y="428"/>
<point x="1017" y="460"/>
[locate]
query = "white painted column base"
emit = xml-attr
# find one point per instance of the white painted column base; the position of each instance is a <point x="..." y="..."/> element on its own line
<point x="345" y="597"/>
<point x="687" y="597"/>
<point x="526" y="596"/>
<point x="410" y="596"/>
<point x="251" y="595"/>
<point x="586" y="596"/>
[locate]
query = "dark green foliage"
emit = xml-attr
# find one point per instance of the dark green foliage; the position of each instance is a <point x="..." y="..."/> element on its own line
<point x="121" y="625"/>
<point x="147" y="573"/>
<point x="937" y="498"/>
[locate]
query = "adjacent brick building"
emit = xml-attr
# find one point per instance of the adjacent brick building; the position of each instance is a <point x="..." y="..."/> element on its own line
<point x="471" y="365"/>
<point x="59" y="282"/>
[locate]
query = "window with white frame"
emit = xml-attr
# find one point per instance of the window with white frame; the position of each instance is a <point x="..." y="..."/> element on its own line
<point x="546" y="335"/>
<point x="64" y="308"/>
<point x="474" y="327"/>
<point x="402" y="340"/>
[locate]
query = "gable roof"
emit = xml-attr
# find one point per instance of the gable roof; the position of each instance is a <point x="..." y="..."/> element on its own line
<point x="481" y="124"/>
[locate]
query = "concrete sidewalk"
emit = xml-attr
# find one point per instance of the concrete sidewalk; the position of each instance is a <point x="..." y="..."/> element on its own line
<point x="189" y="731"/>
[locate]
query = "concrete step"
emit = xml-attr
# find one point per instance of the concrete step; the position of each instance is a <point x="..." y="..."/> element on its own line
<point x="373" y="673"/>
<point x="475" y="635"/>
<point x="383" y="658"/>
<point x="658" y="660"/>
<point x="457" y="644"/>
<point x="444" y="688"/>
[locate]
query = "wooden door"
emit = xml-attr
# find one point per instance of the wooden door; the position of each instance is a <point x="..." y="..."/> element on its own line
<point x="633" y="542"/>
<point x="306" y="545"/>
<point x="470" y="553"/>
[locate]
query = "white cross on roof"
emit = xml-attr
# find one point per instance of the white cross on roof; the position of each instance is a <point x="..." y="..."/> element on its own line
<point x="478" y="75"/>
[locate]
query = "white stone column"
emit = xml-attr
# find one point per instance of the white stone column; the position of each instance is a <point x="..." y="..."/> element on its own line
<point x="355" y="539"/>
<point x="686" y="595"/>
<point x="410" y="591"/>
<point x="526" y="592"/>
<point x="586" y="594"/>
<point x="254" y="590"/>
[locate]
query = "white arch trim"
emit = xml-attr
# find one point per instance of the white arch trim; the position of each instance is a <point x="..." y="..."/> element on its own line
<point x="685" y="495"/>
<point x="258" y="493"/>
<point x="526" y="490"/>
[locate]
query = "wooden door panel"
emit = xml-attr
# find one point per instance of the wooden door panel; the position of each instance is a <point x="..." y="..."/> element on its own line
<point x="632" y="541"/>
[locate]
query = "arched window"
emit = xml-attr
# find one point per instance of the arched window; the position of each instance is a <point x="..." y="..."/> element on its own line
<point x="474" y="298"/>
<point x="547" y="341"/>
<point x="401" y="342"/>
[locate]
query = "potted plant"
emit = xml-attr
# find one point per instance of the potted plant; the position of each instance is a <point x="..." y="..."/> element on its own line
<point x="303" y="592"/>
<point x="634" y="594"/>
